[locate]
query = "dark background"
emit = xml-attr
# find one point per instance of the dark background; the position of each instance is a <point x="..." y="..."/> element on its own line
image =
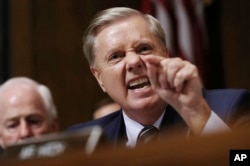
<point x="42" y="39"/>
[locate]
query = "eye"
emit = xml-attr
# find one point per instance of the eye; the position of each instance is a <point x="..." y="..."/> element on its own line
<point x="144" y="49"/>
<point x="12" y="124"/>
<point x="115" y="56"/>
<point x="34" y="120"/>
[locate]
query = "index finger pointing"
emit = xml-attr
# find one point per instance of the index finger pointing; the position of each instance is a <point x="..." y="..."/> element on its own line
<point x="152" y="59"/>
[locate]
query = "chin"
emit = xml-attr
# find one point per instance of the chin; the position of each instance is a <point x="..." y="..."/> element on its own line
<point x="148" y="103"/>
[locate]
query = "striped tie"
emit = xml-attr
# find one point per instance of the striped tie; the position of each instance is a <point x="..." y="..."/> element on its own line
<point x="147" y="134"/>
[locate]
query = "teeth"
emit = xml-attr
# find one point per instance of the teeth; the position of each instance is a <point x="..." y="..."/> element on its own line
<point x="138" y="82"/>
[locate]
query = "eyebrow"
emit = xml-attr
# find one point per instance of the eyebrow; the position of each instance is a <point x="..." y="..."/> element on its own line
<point x="143" y="41"/>
<point x="11" y="119"/>
<point x="7" y="121"/>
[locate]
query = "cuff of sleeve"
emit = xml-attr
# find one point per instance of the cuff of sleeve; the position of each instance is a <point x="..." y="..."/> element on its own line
<point x="215" y="125"/>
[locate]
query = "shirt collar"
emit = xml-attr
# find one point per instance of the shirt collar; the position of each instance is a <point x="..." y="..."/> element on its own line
<point x="133" y="128"/>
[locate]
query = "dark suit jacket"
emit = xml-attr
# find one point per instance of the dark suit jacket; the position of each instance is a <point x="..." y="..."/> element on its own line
<point x="231" y="105"/>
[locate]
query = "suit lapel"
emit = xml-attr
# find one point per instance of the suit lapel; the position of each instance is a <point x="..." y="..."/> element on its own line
<point x="116" y="130"/>
<point x="172" y="123"/>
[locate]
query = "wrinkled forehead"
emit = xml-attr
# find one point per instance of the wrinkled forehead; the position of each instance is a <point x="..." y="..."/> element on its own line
<point x="134" y="23"/>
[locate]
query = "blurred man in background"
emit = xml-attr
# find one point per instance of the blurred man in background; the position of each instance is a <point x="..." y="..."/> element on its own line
<point x="105" y="107"/>
<point x="27" y="110"/>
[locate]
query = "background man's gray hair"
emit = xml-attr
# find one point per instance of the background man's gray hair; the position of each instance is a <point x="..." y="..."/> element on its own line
<point x="42" y="90"/>
<point x="48" y="101"/>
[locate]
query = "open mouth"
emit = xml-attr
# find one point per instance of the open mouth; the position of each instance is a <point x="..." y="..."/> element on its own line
<point x="139" y="83"/>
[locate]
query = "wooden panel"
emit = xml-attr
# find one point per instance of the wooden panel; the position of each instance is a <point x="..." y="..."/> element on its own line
<point x="236" y="42"/>
<point x="21" y="38"/>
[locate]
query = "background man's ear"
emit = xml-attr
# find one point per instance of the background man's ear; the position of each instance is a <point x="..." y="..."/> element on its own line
<point x="1" y="143"/>
<point x="55" y="125"/>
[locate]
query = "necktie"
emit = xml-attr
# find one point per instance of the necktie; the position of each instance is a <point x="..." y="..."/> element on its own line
<point x="147" y="134"/>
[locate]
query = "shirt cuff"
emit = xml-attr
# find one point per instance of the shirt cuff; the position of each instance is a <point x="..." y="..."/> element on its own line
<point x="215" y="125"/>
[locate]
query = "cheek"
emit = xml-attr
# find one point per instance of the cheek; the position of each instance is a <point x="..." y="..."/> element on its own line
<point x="115" y="87"/>
<point x="43" y="129"/>
<point x="10" y="138"/>
<point x="113" y="77"/>
<point x="113" y="83"/>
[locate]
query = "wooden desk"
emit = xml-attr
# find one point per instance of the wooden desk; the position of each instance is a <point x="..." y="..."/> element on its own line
<point x="174" y="151"/>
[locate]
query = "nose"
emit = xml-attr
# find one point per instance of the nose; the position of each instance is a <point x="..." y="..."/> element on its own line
<point x="134" y="62"/>
<point x="25" y="131"/>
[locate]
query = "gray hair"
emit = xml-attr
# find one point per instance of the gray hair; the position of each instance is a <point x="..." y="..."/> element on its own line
<point x="42" y="90"/>
<point x="48" y="101"/>
<point x="108" y="16"/>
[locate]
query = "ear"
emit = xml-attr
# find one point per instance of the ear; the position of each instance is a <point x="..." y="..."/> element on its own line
<point x="98" y="77"/>
<point x="55" y="125"/>
<point x="1" y="142"/>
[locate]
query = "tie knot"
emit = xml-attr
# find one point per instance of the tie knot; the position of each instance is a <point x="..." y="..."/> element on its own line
<point x="147" y="134"/>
